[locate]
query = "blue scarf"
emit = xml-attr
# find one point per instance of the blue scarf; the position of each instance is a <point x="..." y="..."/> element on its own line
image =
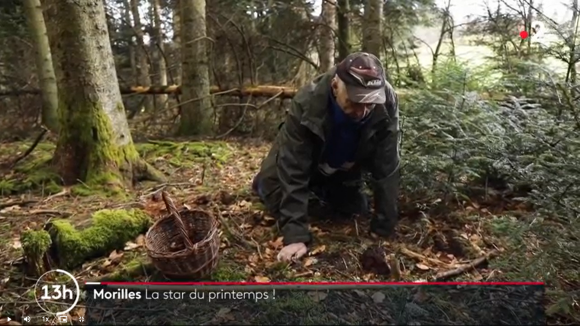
<point x="342" y="144"/>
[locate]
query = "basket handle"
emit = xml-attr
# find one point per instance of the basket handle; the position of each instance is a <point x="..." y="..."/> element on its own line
<point x="180" y="225"/>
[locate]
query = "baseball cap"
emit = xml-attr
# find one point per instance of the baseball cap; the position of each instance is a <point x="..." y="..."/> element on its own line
<point x="364" y="77"/>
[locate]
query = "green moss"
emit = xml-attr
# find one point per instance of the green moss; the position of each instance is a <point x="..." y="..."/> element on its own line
<point x="129" y="270"/>
<point x="105" y="185"/>
<point x="176" y="162"/>
<point x="110" y="230"/>
<point x="39" y="160"/>
<point x="34" y="245"/>
<point x="47" y="147"/>
<point x="258" y="206"/>
<point x="30" y="294"/>
<point x="41" y="177"/>
<point x="20" y="147"/>
<point x="44" y="179"/>
<point x="133" y="264"/>
<point x="183" y="153"/>
<point x="228" y="271"/>
<point x="7" y="187"/>
<point x="33" y="173"/>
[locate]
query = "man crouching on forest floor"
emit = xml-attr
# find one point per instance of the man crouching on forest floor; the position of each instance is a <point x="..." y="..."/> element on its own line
<point x="341" y="124"/>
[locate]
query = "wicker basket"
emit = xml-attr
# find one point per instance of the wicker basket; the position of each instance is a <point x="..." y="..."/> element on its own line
<point x="184" y="244"/>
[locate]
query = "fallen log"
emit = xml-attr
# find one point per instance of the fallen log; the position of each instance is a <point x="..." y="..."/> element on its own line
<point x="61" y="245"/>
<point x="282" y="92"/>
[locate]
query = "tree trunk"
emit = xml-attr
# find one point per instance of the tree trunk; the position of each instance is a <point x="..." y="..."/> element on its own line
<point x="45" y="71"/>
<point x="94" y="144"/>
<point x="140" y="53"/>
<point x="158" y="53"/>
<point x="326" y="48"/>
<point x="372" y="27"/>
<point x="342" y="17"/>
<point x="132" y="55"/>
<point x="176" y="48"/>
<point x="575" y="23"/>
<point x="445" y="28"/>
<point x="196" y="111"/>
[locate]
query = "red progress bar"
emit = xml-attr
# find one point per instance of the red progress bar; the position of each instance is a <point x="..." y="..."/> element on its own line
<point x="316" y="283"/>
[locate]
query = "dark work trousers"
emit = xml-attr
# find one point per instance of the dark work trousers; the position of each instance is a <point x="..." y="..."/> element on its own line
<point x="337" y="196"/>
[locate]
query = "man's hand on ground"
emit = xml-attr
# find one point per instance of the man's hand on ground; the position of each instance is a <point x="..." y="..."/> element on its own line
<point x="292" y="252"/>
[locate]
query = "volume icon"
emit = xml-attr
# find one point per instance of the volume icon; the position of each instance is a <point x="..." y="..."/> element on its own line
<point x="26" y="319"/>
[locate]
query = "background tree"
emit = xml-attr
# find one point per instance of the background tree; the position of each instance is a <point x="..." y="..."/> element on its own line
<point x="158" y="50"/>
<point x="43" y="60"/>
<point x="141" y="55"/>
<point x="372" y="30"/>
<point x="196" y="112"/>
<point x="327" y="30"/>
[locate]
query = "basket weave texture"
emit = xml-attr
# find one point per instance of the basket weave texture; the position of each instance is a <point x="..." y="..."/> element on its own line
<point x="184" y="243"/>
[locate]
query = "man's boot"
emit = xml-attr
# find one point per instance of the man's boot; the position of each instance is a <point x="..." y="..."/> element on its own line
<point x="345" y="201"/>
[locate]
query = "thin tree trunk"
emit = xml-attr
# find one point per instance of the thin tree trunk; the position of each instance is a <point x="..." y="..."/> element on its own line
<point x="342" y="19"/>
<point x="132" y="54"/>
<point x="94" y="144"/>
<point x="176" y="48"/>
<point x="445" y="28"/>
<point x="140" y="53"/>
<point x="373" y="28"/>
<point x="196" y="111"/>
<point x="326" y="48"/>
<point x="158" y="53"/>
<point x="45" y="71"/>
<point x="571" y="71"/>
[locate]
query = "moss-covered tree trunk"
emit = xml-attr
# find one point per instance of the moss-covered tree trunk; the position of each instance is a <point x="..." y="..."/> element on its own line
<point x="327" y="30"/>
<point x="372" y="27"/>
<point x="94" y="144"/>
<point x="44" y="67"/>
<point x="196" y="111"/>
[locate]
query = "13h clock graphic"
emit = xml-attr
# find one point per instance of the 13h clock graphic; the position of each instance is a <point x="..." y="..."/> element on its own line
<point x="57" y="292"/>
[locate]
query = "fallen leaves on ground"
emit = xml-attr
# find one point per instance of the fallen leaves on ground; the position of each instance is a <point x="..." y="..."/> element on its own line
<point x="309" y="261"/>
<point x="114" y="258"/>
<point x="277" y="244"/>
<point x="139" y="242"/>
<point x="422" y="267"/>
<point x="336" y="254"/>
<point x="318" y="250"/>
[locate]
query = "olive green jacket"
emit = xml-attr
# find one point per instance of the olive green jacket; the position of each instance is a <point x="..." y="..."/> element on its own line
<point x="285" y="172"/>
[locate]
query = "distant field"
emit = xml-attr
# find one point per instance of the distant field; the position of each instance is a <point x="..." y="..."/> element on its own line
<point x="475" y="55"/>
<point x="472" y="55"/>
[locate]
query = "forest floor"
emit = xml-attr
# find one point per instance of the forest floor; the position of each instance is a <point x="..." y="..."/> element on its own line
<point x="436" y="243"/>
